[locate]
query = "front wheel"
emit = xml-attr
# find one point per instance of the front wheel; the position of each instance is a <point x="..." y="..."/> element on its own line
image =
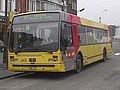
<point x="78" y="63"/>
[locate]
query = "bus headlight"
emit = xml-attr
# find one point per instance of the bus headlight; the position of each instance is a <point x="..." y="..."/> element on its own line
<point x="13" y="60"/>
<point x="52" y="60"/>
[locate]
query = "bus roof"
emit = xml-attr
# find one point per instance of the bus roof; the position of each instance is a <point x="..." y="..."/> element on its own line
<point x="91" y="23"/>
<point x="81" y="20"/>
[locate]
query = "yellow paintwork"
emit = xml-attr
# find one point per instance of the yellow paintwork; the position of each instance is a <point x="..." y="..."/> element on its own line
<point x="91" y="53"/>
<point x="91" y="23"/>
<point x="41" y="59"/>
<point x="10" y="15"/>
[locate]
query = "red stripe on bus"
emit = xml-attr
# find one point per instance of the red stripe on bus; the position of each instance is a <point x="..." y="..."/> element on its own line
<point x="73" y="19"/>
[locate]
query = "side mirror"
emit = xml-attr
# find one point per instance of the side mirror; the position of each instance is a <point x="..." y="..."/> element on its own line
<point x="1" y="46"/>
<point x="2" y="49"/>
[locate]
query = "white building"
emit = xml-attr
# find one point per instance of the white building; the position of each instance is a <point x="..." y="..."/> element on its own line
<point x="32" y="5"/>
<point x="117" y="33"/>
<point x="37" y="5"/>
<point x="19" y="6"/>
<point x="11" y="6"/>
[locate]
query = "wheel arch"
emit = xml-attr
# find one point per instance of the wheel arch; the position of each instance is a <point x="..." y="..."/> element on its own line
<point x="80" y="53"/>
<point x="104" y="49"/>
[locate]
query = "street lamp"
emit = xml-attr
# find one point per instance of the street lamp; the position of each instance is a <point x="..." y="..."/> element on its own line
<point x="81" y="10"/>
<point x="100" y="18"/>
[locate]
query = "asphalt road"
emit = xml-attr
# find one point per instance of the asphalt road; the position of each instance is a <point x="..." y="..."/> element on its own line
<point x="97" y="76"/>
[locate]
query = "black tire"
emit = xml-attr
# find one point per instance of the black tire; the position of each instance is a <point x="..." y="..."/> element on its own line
<point x="78" y="64"/>
<point x="104" y="55"/>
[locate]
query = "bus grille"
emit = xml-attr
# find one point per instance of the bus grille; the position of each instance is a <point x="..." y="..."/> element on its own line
<point x="33" y="65"/>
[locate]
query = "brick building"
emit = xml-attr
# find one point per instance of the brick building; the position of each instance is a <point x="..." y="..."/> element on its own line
<point x="38" y="5"/>
<point x="21" y="6"/>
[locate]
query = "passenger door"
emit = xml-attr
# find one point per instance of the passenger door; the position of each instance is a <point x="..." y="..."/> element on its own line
<point x="67" y="46"/>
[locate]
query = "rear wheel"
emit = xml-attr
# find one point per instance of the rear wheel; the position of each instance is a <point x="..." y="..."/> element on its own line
<point x="78" y="64"/>
<point x="104" y="55"/>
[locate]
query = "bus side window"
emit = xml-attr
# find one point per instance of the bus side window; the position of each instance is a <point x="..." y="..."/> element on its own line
<point x="82" y="35"/>
<point x="104" y="37"/>
<point x="90" y="35"/>
<point x="96" y="36"/>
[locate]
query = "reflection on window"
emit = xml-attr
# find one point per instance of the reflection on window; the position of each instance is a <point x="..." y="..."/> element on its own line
<point x="69" y="34"/>
<point x="82" y="35"/>
<point x="96" y="35"/>
<point x="90" y="35"/>
<point x="66" y="35"/>
<point x="104" y="36"/>
<point x="44" y="35"/>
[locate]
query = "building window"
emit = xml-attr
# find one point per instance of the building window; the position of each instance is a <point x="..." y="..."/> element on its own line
<point x="42" y="5"/>
<point x="28" y="5"/>
<point x="18" y="6"/>
<point x="74" y="5"/>
<point x="38" y="5"/>
<point x="10" y="5"/>
<point x="33" y="6"/>
<point x="0" y="4"/>
<point x="82" y="35"/>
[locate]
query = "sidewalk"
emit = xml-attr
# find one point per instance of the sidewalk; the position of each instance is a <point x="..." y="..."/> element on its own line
<point x="4" y="73"/>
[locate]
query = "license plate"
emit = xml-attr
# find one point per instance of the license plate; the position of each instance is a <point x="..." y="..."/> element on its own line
<point x="32" y="68"/>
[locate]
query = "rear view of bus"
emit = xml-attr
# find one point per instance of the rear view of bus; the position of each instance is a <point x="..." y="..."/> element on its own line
<point x="34" y="43"/>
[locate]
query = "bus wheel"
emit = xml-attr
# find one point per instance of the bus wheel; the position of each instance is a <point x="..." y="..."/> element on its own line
<point x="78" y="64"/>
<point x="104" y="55"/>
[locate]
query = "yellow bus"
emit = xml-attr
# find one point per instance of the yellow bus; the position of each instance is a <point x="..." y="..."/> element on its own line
<point x="56" y="41"/>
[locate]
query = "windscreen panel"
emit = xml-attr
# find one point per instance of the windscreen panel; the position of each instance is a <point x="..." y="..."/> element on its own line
<point x="33" y="18"/>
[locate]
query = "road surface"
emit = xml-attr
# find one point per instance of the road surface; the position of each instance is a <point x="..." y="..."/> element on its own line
<point x="97" y="76"/>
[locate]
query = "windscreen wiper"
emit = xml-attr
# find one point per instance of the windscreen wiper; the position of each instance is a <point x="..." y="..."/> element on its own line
<point x="17" y="50"/>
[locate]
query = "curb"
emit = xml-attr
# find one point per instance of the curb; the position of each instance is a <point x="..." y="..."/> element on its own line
<point x="12" y="75"/>
<point x="3" y="65"/>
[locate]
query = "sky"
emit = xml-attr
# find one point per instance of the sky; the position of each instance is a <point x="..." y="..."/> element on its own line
<point x="96" y="8"/>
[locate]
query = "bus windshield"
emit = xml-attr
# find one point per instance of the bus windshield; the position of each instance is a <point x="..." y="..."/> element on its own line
<point x="34" y="36"/>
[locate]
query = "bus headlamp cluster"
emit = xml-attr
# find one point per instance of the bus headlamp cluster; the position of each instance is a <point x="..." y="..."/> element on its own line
<point x="52" y="60"/>
<point x="13" y="60"/>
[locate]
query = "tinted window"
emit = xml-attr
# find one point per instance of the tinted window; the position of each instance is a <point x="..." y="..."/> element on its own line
<point x="34" y="37"/>
<point x="36" y="18"/>
<point x="103" y="36"/>
<point x="90" y="35"/>
<point x="66" y="35"/>
<point x="96" y="35"/>
<point x="82" y="34"/>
